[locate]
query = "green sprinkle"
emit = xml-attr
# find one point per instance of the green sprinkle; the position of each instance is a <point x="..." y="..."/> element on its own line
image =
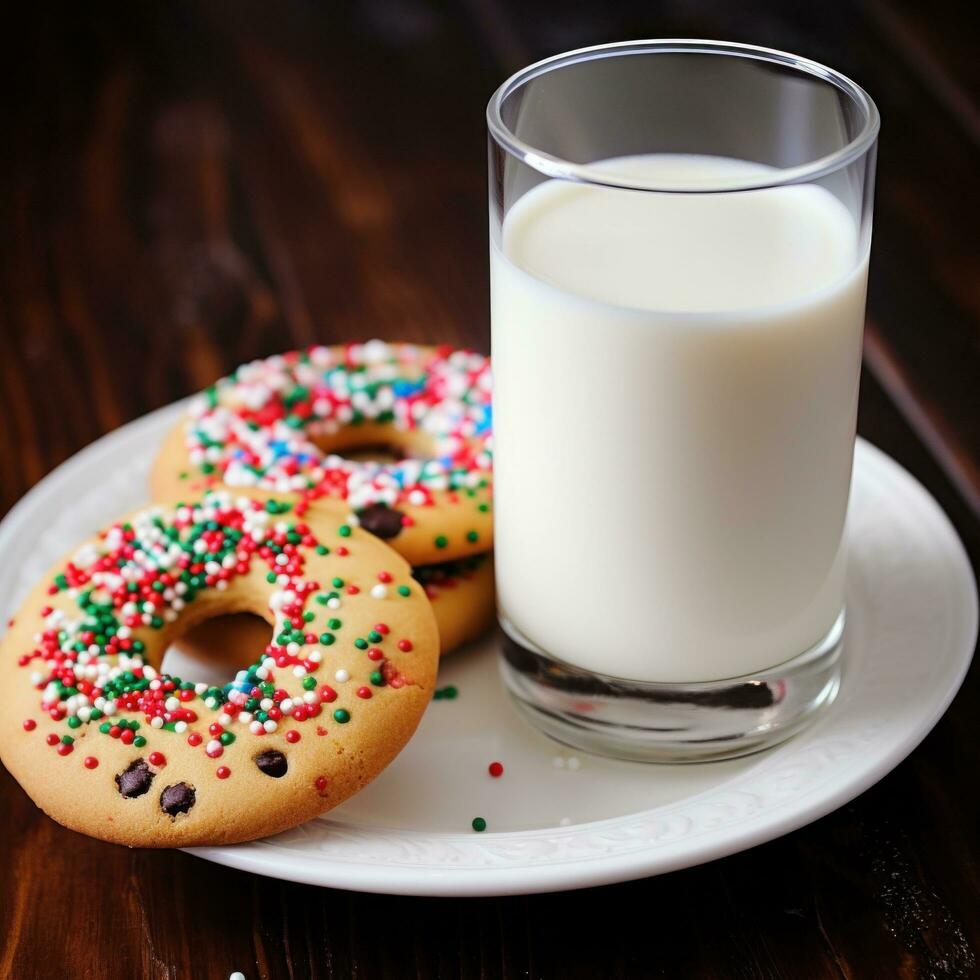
<point x="361" y="643"/>
<point x="378" y="679"/>
<point x="375" y="637"/>
<point x="404" y="590"/>
<point x="271" y="578"/>
<point x="344" y="531"/>
<point x="472" y="536"/>
<point x="483" y="508"/>
<point x="226" y="738"/>
<point x="326" y="639"/>
<point x="337" y="583"/>
<point x="341" y="716"/>
<point x="309" y="683"/>
<point x="479" y="824"/>
<point x="322" y="549"/>
<point x="67" y="740"/>
<point x="74" y="722"/>
<point x="441" y="541"/>
<point x="104" y="727"/>
<point x="334" y="624"/>
<point x="139" y="741"/>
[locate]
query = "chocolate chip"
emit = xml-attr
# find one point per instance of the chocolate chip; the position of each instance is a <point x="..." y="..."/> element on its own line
<point x="272" y="763"/>
<point x="135" y="779"/>
<point x="178" y="798"/>
<point x="381" y="520"/>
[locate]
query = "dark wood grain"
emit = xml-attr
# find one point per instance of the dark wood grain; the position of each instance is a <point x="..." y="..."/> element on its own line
<point x="186" y="186"/>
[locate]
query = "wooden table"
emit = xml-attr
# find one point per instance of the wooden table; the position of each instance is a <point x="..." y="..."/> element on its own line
<point x="185" y="187"/>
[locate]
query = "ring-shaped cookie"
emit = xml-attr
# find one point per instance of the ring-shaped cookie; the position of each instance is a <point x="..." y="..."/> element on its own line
<point x="296" y="423"/>
<point x="109" y="746"/>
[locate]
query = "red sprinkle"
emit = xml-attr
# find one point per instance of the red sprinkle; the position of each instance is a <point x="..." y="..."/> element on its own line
<point x="65" y="749"/>
<point x="29" y="724"/>
<point x="222" y="772"/>
<point x="384" y="576"/>
<point x="364" y="692"/>
<point x="292" y="735"/>
<point x="496" y="769"/>
<point x="52" y="739"/>
<point x="91" y="762"/>
<point x="404" y="645"/>
<point x="157" y="759"/>
<point x="194" y="739"/>
<point x="321" y="783"/>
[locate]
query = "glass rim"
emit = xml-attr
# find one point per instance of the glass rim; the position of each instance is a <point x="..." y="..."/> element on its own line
<point x="554" y="166"/>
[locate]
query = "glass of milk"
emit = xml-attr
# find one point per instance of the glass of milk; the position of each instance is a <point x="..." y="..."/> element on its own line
<point x="679" y="239"/>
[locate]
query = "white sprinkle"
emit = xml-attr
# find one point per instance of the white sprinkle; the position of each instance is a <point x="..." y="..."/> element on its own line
<point x="379" y="591"/>
<point x="341" y="676"/>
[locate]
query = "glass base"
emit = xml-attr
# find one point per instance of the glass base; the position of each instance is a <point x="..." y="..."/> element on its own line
<point x="653" y="722"/>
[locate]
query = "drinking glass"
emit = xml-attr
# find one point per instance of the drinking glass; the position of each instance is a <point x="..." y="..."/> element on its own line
<point x="679" y="236"/>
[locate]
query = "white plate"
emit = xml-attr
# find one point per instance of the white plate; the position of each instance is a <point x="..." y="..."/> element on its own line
<point x="559" y="820"/>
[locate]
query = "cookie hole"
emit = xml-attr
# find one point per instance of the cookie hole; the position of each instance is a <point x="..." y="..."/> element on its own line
<point x="376" y="453"/>
<point x="213" y="651"/>
<point x="374" y="442"/>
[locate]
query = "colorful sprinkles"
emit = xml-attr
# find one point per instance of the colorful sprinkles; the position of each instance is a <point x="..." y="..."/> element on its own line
<point x="88" y="659"/>
<point x="264" y="425"/>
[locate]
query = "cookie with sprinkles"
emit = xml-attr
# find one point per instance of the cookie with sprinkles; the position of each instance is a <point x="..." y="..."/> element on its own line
<point x="313" y="424"/>
<point x="110" y="746"/>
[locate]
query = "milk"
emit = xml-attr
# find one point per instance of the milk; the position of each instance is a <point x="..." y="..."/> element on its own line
<point x="675" y="392"/>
